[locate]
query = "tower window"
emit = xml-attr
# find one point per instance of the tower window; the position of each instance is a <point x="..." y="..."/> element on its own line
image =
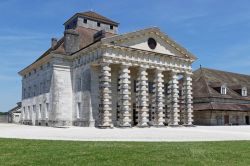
<point x="111" y="27"/>
<point x="98" y="24"/>
<point x="85" y="20"/>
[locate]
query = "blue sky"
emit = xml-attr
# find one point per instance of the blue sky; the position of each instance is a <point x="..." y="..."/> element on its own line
<point x="216" y="31"/>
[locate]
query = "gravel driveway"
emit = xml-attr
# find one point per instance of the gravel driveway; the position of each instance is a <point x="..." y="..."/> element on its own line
<point x="198" y="133"/>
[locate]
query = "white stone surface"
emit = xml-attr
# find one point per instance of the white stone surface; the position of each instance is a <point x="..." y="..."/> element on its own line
<point x="199" y="133"/>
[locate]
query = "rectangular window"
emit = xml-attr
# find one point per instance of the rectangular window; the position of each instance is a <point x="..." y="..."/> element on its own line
<point x="135" y="86"/>
<point x="78" y="110"/>
<point x="79" y="84"/>
<point x="23" y="113"/>
<point x="111" y="27"/>
<point x="98" y="24"/>
<point x="47" y="111"/>
<point x="41" y="87"/>
<point x="40" y="111"/>
<point x="34" y="111"/>
<point x="85" y="20"/>
<point x="150" y="87"/>
<point x="34" y="90"/>
<point x="28" y="113"/>
<point x="166" y="88"/>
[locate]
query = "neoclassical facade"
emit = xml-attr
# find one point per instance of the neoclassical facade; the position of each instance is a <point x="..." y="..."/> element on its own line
<point x="93" y="76"/>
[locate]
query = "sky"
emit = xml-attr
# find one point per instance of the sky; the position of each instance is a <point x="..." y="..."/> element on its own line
<point x="216" y="31"/>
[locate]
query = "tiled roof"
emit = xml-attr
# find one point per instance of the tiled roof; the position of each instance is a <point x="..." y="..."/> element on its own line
<point x="207" y="83"/>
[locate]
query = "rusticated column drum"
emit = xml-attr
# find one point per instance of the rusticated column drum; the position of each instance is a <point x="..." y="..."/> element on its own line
<point x="142" y="97"/>
<point x="105" y="106"/>
<point x="158" y="98"/>
<point x="125" y="96"/>
<point x="172" y="102"/>
<point x="188" y="100"/>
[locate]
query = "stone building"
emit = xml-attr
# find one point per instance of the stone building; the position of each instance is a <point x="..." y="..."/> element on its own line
<point x="221" y="98"/>
<point x="93" y="76"/>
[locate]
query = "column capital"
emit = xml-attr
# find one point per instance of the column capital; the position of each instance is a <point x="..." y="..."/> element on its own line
<point x="104" y="64"/>
<point x="188" y="74"/>
<point x="125" y="65"/>
<point x="159" y="69"/>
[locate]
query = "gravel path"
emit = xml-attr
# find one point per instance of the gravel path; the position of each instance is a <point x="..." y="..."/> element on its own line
<point x="198" y="133"/>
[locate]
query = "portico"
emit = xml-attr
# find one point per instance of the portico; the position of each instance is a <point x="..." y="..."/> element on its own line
<point x="148" y="89"/>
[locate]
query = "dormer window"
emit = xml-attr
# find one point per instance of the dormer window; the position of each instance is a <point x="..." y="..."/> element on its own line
<point x="98" y="24"/>
<point x="85" y="20"/>
<point x="244" y="91"/>
<point x="223" y="90"/>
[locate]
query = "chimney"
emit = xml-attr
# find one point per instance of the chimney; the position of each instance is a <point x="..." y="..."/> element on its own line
<point x="99" y="35"/>
<point x="71" y="41"/>
<point x="53" y="42"/>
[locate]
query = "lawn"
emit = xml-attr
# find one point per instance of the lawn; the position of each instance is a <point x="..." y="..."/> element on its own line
<point x="37" y="152"/>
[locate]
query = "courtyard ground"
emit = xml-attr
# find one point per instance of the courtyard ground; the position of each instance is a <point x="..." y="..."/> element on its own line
<point x="198" y="133"/>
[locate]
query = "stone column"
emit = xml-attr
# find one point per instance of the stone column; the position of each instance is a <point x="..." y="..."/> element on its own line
<point x="158" y="98"/>
<point x="142" y="97"/>
<point x="188" y="115"/>
<point x="173" y="95"/>
<point x="125" y="96"/>
<point x="105" y="106"/>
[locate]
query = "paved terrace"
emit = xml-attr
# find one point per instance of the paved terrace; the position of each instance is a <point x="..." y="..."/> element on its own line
<point x="198" y="133"/>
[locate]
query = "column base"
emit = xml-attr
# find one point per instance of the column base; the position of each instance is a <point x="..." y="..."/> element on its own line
<point x="173" y="125"/>
<point x="143" y="126"/>
<point x="106" y="126"/>
<point x="91" y="123"/>
<point x="187" y="125"/>
<point x="125" y="126"/>
<point x="159" y="126"/>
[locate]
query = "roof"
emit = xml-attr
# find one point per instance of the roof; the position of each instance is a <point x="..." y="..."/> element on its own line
<point x="207" y="83"/>
<point x="94" y="16"/>
<point x="86" y="39"/>
<point x="16" y="108"/>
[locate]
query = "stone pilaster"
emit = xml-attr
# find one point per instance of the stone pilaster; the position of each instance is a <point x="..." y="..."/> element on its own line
<point x="158" y="99"/>
<point x="105" y="106"/>
<point x="125" y="96"/>
<point x="173" y="95"/>
<point x="142" y="97"/>
<point x="188" y="120"/>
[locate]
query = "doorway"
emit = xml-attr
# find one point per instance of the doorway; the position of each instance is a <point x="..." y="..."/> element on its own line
<point x="247" y="120"/>
<point x="226" y="119"/>
<point x="135" y="115"/>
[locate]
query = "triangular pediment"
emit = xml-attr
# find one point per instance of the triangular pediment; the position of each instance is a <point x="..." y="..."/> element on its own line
<point x="144" y="40"/>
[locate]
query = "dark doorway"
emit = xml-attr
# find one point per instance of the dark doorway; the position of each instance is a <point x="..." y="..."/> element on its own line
<point x="247" y="120"/>
<point x="226" y="119"/>
<point x="135" y="115"/>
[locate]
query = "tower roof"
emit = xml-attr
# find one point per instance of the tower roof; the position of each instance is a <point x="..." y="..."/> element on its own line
<point x="94" y="16"/>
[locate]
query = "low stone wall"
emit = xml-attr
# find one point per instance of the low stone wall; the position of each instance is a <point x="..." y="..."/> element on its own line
<point x="3" y="118"/>
<point x="218" y="118"/>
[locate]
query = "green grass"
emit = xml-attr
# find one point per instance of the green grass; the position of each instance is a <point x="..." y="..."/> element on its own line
<point x="37" y="152"/>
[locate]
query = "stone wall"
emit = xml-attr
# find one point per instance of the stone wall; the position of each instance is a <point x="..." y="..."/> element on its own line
<point x="3" y="118"/>
<point x="213" y="117"/>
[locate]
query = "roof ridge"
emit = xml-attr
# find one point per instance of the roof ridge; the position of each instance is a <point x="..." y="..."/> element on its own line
<point x="226" y="71"/>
